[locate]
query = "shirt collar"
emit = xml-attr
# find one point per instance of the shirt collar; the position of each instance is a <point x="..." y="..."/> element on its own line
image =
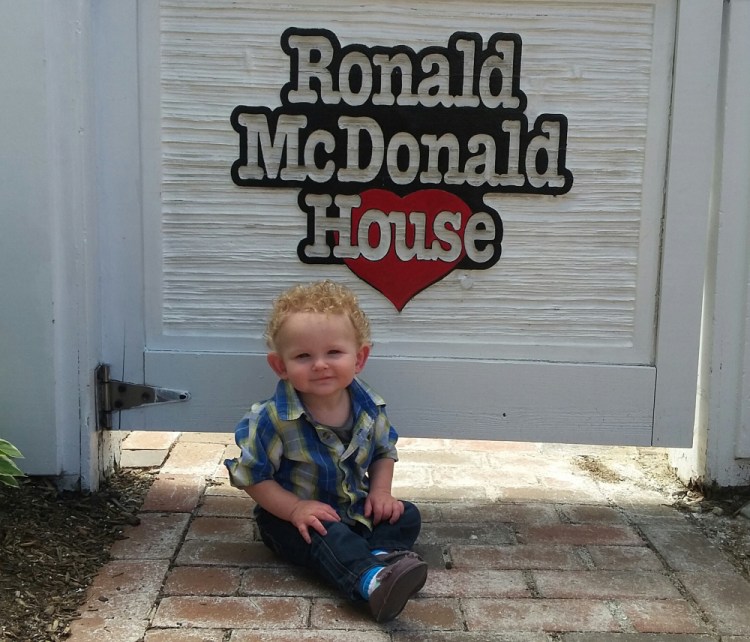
<point x="290" y="408"/>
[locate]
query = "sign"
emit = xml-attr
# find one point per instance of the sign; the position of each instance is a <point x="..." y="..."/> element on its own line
<point x="394" y="151"/>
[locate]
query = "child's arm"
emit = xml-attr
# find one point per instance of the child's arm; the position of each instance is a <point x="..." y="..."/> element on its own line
<point x="302" y="513"/>
<point x="380" y="503"/>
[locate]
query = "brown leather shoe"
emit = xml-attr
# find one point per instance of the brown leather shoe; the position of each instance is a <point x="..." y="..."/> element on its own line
<point x="398" y="582"/>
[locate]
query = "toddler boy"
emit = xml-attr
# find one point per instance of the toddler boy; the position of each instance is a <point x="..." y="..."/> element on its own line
<point x="318" y="457"/>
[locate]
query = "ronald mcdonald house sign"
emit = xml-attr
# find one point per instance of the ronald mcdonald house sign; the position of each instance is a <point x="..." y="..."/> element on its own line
<point x="393" y="151"/>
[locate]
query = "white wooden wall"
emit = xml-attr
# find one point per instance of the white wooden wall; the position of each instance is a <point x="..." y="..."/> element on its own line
<point x="49" y="320"/>
<point x="721" y="447"/>
<point x="50" y="334"/>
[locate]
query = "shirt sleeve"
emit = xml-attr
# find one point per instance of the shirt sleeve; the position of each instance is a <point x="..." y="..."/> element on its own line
<point x="385" y="438"/>
<point x="260" y="450"/>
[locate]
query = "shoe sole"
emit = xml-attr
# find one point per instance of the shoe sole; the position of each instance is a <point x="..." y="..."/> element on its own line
<point x="409" y="585"/>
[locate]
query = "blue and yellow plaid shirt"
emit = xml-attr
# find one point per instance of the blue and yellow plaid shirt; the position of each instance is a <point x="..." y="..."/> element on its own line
<point x="278" y="441"/>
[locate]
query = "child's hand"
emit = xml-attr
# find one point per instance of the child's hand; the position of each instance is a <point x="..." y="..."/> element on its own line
<point x="308" y="513"/>
<point x="382" y="506"/>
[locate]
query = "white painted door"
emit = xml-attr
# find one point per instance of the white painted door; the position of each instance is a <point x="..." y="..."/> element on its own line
<point x="587" y="327"/>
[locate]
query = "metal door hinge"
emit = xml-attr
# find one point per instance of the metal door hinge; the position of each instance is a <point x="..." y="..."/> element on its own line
<point x="113" y="395"/>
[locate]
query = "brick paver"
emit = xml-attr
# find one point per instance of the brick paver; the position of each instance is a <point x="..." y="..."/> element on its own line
<point x="663" y="616"/>
<point x="142" y="449"/>
<point x="283" y="581"/>
<point x="625" y="558"/>
<point x="528" y="556"/>
<point x="227" y="505"/>
<point x="580" y="534"/>
<point x="188" y="458"/>
<point x="174" y="493"/>
<point x="724" y="597"/>
<point x="605" y="585"/>
<point x="158" y="536"/>
<point x="539" y="615"/>
<point x="466" y="533"/>
<point x="477" y="512"/>
<point x="217" y="553"/>
<point x="228" y="529"/>
<point x="522" y="547"/>
<point x="585" y="514"/>
<point x="182" y="635"/>
<point x="96" y="629"/>
<point x="149" y="440"/>
<point x="232" y="612"/>
<point x="468" y="636"/>
<point x="636" y="637"/>
<point x="320" y="635"/>
<point x="685" y="548"/>
<point x="476" y="583"/>
<point x="125" y="589"/>
<point x="202" y="580"/>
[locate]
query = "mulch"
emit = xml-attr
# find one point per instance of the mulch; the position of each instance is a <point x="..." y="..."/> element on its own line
<point x="52" y="545"/>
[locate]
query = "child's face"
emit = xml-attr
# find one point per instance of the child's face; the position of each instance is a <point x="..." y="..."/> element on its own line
<point x="318" y="354"/>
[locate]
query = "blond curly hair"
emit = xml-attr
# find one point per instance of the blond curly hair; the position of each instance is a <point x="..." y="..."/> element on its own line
<point x="324" y="297"/>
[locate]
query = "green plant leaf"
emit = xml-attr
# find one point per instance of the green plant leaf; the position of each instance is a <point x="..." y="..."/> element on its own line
<point x="9" y="480"/>
<point x="7" y="467"/>
<point x="9" y="450"/>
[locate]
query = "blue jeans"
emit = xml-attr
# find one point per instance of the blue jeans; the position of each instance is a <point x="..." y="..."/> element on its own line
<point x="345" y="552"/>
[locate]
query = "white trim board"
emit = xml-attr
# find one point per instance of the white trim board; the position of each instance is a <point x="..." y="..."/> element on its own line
<point x="461" y="399"/>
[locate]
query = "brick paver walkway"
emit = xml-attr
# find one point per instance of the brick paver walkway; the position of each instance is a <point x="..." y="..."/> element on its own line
<point x="522" y="544"/>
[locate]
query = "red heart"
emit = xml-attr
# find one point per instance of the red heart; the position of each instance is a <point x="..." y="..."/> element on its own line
<point x="397" y="277"/>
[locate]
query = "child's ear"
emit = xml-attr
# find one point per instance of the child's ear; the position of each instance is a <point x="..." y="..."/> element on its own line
<point x="362" y="355"/>
<point x="277" y="364"/>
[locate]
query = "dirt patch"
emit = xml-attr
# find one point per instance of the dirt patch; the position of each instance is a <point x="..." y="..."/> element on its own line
<point x="597" y="469"/>
<point x="52" y="544"/>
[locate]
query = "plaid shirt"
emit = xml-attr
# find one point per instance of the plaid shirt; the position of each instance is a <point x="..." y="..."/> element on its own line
<point x="278" y="441"/>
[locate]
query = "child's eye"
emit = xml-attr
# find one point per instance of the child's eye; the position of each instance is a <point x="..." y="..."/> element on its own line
<point x="303" y="355"/>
